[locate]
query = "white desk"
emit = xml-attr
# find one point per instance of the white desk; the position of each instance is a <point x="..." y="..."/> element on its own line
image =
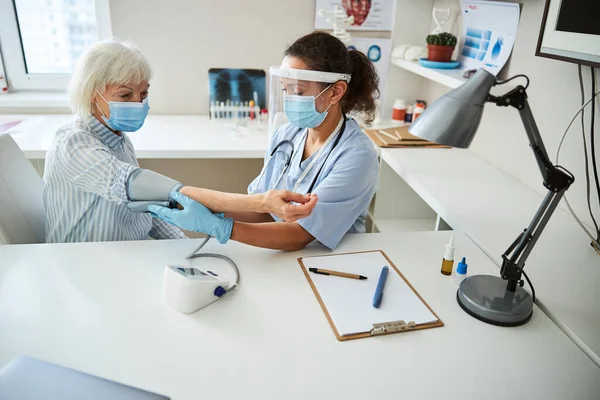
<point x="162" y="137"/>
<point x="97" y="307"/>
<point x="476" y="198"/>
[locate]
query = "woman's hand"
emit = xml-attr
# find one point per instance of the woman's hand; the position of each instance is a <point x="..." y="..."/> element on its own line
<point x="279" y="203"/>
<point x="195" y="217"/>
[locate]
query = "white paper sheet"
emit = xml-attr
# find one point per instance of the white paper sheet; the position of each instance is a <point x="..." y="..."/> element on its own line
<point x="350" y="301"/>
<point x="7" y="124"/>
<point x="489" y="34"/>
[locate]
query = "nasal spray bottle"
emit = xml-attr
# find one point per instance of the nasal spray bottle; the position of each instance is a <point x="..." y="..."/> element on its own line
<point x="448" y="260"/>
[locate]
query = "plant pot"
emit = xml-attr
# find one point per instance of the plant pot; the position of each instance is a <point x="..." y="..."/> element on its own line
<point x="440" y="53"/>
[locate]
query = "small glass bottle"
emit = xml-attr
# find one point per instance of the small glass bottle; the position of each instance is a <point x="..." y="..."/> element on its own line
<point x="448" y="260"/>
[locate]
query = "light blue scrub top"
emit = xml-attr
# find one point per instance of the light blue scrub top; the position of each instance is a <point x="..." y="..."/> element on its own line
<point x="345" y="186"/>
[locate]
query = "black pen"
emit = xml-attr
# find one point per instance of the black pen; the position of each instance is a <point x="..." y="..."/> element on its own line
<point x="336" y="273"/>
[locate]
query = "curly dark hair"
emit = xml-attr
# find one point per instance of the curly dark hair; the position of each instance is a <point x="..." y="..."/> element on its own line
<point x="324" y="52"/>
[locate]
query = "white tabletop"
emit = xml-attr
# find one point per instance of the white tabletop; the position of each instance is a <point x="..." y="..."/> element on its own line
<point x="97" y="307"/>
<point x="162" y="136"/>
<point x="492" y="208"/>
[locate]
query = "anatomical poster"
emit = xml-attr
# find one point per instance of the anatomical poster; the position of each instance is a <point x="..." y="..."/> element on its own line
<point x="379" y="52"/>
<point x="368" y="15"/>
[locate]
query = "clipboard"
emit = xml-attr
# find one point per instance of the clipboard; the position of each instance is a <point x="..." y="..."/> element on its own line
<point x="379" y="327"/>
<point x="400" y="138"/>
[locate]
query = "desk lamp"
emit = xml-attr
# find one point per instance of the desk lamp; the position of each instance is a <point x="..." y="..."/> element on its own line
<point x="453" y="120"/>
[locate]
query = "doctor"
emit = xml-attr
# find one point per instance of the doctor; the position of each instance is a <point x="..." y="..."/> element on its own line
<point x="320" y="151"/>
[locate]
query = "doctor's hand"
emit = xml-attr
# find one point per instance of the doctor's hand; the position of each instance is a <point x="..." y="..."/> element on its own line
<point x="195" y="217"/>
<point x="279" y="203"/>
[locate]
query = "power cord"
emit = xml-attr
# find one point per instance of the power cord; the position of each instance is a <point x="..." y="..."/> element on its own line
<point x="585" y="152"/>
<point x="594" y="238"/>
<point x="592" y="145"/>
<point x="530" y="285"/>
<point x="515" y="77"/>
<point x="194" y="254"/>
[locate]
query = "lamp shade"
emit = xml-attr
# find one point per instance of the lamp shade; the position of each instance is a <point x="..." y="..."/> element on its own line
<point x="453" y="119"/>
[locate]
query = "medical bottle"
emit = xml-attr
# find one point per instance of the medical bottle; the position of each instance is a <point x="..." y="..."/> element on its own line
<point x="461" y="271"/>
<point x="408" y="117"/>
<point x="419" y="108"/>
<point x="448" y="260"/>
<point x="399" y="110"/>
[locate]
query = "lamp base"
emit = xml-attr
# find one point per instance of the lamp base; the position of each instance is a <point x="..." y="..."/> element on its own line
<point x="485" y="297"/>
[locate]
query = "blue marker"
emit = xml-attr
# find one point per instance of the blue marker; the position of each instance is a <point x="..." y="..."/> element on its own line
<point x="380" y="285"/>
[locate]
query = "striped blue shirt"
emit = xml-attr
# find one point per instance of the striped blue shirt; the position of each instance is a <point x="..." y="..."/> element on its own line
<point x="85" y="178"/>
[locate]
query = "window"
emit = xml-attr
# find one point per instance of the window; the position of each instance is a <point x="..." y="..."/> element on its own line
<point x="42" y="39"/>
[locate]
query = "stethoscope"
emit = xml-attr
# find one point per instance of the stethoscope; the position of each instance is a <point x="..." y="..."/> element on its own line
<point x="290" y="156"/>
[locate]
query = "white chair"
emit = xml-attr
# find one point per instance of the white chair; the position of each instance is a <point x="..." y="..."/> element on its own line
<point x="22" y="214"/>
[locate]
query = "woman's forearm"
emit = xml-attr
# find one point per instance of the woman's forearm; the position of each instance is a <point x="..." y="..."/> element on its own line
<point x="252" y="217"/>
<point x="272" y="235"/>
<point x="220" y="202"/>
<point x="288" y="206"/>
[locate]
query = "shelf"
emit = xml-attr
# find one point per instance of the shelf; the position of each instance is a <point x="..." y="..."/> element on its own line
<point x="404" y="225"/>
<point x="22" y="101"/>
<point x="451" y="78"/>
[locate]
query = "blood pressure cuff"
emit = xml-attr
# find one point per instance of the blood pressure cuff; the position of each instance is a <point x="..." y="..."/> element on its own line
<point x="146" y="188"/>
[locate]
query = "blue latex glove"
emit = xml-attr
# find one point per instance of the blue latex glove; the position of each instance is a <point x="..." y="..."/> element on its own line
<point x="195" y="217"/>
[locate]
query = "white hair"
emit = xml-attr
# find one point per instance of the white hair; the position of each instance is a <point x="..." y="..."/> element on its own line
<point x="103" y="64"/>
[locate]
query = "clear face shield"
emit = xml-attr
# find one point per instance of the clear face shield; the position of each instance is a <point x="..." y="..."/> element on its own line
<point x="296" y="96"/>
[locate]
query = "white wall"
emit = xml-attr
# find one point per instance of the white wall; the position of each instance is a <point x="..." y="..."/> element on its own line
<point x="183" y="39"/>
<point x="554" y="97"/>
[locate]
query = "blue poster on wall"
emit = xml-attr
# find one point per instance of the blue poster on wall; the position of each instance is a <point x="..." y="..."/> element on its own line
<point x="237" y="85"/>
<point x="489" y="33"/>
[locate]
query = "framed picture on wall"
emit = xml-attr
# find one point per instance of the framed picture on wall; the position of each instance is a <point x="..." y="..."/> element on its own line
<point x="369" y="15"/>
<point x="570" y="32"/>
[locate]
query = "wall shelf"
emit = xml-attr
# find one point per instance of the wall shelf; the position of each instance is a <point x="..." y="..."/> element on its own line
<point x="394" y="225"/>
<point x="451" y="78"/>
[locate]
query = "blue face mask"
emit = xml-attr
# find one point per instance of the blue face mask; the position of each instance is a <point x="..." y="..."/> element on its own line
<point x="125" y="116"/>
<point x="302" y="111"/>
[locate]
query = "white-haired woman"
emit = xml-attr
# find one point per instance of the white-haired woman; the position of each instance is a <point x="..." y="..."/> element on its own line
<point x="91" y="162"/>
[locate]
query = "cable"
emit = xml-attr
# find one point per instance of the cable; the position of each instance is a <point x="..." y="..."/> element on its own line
<point x="530" y="285"/>
<point x="585" y="152"/>
<point x="592" y="144"/>
<point x="514" y="77"/>
<point x="193" y="255"/>
<point x="594" y="95"/>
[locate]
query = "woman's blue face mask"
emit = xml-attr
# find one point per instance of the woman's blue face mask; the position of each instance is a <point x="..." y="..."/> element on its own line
<point x="302" y="112"/>
<point x="124" y="115"/>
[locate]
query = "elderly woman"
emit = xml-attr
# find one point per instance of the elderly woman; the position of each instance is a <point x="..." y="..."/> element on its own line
<point x="92" y="177"/>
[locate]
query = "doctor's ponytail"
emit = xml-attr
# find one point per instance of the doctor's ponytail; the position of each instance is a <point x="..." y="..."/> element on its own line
<point x="363" y="89"/>
<point x="324" y="52"/>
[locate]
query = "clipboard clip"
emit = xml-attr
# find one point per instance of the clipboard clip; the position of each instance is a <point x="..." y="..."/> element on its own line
<point x="391" y="327"/>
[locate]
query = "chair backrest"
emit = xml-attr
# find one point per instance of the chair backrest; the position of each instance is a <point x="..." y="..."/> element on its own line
<point x="22" y="214"/>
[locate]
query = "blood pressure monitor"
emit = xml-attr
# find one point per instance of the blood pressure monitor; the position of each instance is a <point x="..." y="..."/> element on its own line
<point x="188" y="289"/>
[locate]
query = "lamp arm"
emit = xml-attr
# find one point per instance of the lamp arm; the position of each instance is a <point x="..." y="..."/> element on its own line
<point x="556" y="179"/>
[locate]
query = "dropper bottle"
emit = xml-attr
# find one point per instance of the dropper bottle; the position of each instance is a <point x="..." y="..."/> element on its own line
<point x="461" y="271"/>
<point x="448" y="260"/>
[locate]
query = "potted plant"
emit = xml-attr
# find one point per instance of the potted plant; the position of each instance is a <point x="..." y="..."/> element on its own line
<point x="441" y="47"/>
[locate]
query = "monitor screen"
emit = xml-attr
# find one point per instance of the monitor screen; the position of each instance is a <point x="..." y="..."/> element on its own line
<point x="579" y="16"/>
<point x="570" y="31"/>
